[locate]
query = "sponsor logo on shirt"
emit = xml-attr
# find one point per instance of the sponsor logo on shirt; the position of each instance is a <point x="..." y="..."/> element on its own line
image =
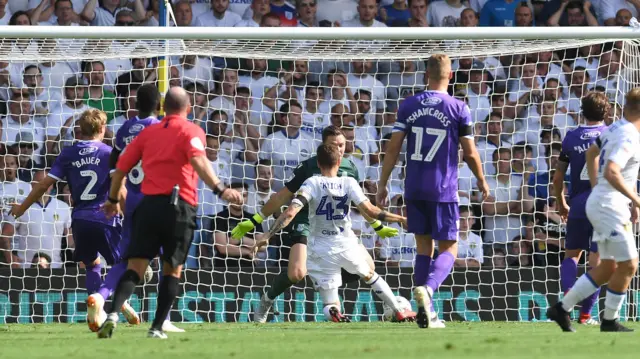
<point x="136" y="128"/>
<point x="589" y="135"/>
<point x="431" y="101"/>
<point x="87" y="150"/>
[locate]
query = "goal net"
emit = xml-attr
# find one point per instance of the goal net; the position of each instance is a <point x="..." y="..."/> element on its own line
<point x="263" y="98"/>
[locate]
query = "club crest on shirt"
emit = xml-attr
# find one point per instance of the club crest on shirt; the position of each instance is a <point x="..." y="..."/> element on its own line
<point x="288" y="15"/>
<point x="56" y="217"/>
<point x="20" y="191"/>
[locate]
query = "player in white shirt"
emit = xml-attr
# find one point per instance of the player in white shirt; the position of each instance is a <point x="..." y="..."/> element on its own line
<point x="332" y="245"/>
<point x="40" y="229"/>
<point x="613" y="163"/>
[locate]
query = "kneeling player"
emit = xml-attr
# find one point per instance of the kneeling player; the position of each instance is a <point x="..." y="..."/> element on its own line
<point x="332" y="245"/>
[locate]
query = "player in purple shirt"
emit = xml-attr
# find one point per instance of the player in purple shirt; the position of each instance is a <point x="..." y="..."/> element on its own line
<point x="435" y="124"/>
<point x="595" y="109"/>
<point x="85" y="166"/>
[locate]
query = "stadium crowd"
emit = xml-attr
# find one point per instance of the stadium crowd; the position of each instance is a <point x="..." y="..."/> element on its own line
<point x="263" y="117"/>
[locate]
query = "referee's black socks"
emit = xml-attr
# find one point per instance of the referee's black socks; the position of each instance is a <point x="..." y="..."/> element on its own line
<point x="166" y="296"/>
<point x="126" y="286"/>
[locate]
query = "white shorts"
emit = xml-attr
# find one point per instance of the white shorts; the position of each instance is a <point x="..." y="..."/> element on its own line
<point x="325" y="269"/>
<point x="612" y="230"/>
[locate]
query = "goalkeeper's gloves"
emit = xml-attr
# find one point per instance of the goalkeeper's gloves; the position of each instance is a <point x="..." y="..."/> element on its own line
<point x="382" y="230"/>
<point x="245" y="226"/>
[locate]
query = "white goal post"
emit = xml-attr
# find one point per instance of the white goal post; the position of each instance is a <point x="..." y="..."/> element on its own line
<point x="523" y="86"/>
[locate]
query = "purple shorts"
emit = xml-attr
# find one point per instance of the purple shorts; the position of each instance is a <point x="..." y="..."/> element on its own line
<point x="438" y="220"/>
<point x="579" y="235"/>
<point x="93" y="238"/>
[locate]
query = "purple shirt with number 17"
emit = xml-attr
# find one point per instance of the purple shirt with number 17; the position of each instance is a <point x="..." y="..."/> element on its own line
<point x="433" y="122"/>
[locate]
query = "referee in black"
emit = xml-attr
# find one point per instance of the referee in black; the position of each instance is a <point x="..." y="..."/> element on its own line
<point x="172" y="152"/>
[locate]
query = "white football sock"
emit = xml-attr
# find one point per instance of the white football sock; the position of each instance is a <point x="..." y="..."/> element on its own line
<point x="612" y="304"/>
<point x="382" y="290"/>
<point x="583" y="288"/>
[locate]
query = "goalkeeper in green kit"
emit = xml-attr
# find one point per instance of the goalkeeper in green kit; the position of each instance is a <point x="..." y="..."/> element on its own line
<point x="298" y="230"/>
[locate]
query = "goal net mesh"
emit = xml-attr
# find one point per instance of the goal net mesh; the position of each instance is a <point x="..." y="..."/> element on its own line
<point x="524" y="96"/>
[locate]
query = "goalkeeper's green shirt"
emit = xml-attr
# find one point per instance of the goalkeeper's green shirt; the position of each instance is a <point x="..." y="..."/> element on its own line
<point x="300" y="225"/>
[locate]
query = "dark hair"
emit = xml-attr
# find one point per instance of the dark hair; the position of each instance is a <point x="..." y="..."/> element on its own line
<point x="328" y="156"/>
<point x="286" y="107"/>
<point x="554" y="146"/>
<point x="500" y="151"/>
<point x="595" y="106"/>
<point x="464" y="209"/>
<point x="14" y="18"/>
<point x="148" y="99"/>
<point x="575" y="5"/>
<point x="264" y="162"/>
<point x="218" y="113"/>
<point x="243" y="90"/>
<point x="55" y="6"/>
<point x="361" y="92"/>
<point x="41" y="255"/>
<point x="236" y="185"/>
<point x="331" y="131"/>
<point x="497" y="114"/>
<point x="29" y="67"/>
<point x="313" y="85"/>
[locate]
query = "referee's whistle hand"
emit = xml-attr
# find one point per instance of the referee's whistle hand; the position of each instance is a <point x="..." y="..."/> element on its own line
<point x="232" y="196"/>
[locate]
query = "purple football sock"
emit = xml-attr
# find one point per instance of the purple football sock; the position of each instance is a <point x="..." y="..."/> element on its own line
<point x="589" y="302"/>
<point x="568" y="274"/>
<point x="111" y="280"/>
<point x="440" y="270"/>
<point x="93" y="278"/>
<point x="421" y="269"/>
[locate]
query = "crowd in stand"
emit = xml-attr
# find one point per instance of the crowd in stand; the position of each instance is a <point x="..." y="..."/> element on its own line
<point x="263" y="117"/>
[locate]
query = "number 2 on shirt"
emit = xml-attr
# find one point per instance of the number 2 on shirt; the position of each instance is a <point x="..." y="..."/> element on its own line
<point x="326" y="208"/>
<point x="419" y="132"/>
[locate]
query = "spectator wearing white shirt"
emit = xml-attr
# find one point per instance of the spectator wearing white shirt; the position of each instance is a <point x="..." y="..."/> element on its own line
<point x="259" y="82"/>
<point x="196" y="69"/>
<point x="5" y="13"/>
<point x="527" y="90"/>
<point x="609" y="9"/>
<point x="508" y="200"/>
<point x="398" y="251"/>
<point x="226" y="90"/>
<point x="488" y="144"/>
<point x="19" y="119"/>
<point x="60" y="14"/>
<point x="259" y="9"/>
<point x="288" y="147"/>
<point x="12" y="190"/>
<point x="367" y="12"/>
<point x="183" y="13"/>
<point x="611" y="76"/>
<point x="307" y="13"/>
<point x="42" y="100"/>
<point x="360" y="78"/>
<point x="339" y="92"/>
<point x="219" y="16"/>
<point x="578" y="87"/>
<point x="103" y="13"/>
<point x="54" y="75"/>
<point x="61" y="120"/>
<point x="402" y="79"/>
<point x="315" y="112"/>
<point x="445" y="13"/>
<point x="478" y="92"/>
<point x="196" y="8"/>
<point x="40" y="229"/>
<point x="366" y="134"/>
<point x="470" y="253"/>
<point x="261" y="190"/>
<point x="23" y="149"/>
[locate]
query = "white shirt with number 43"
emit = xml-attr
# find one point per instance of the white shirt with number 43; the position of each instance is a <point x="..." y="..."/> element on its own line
<point x="328" y="201"/>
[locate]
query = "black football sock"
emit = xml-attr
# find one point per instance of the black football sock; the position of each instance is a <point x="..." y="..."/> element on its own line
<point x="126" y="286"/>
<point x="166" y="297"/>
<point x="280" y="284"/>
<point x="349" y="277"/>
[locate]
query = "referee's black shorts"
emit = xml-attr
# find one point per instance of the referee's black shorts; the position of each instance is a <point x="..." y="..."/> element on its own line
<point x="157" y="224"/>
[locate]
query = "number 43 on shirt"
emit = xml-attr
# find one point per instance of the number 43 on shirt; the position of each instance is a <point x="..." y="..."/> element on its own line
<point x="326" y="208"/>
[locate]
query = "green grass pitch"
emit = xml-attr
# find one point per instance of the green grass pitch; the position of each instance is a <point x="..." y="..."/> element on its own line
<point x="493" y="340"/>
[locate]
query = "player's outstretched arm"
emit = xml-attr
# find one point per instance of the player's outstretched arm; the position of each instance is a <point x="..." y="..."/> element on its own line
<point x="274" y="203"/>
<point x="374" y="212"/>
<point x="592" y="157"/>
<point x="37" y="191"/>
<point x="390" y="160"/>
<point x="283" y="221"/>
<point x="472" y="158"/>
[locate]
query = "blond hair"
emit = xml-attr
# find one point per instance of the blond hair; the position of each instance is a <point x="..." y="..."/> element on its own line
<point x="439" y="67"/>
<point x="91" y="122"/>
<point x="632" y="103"/>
